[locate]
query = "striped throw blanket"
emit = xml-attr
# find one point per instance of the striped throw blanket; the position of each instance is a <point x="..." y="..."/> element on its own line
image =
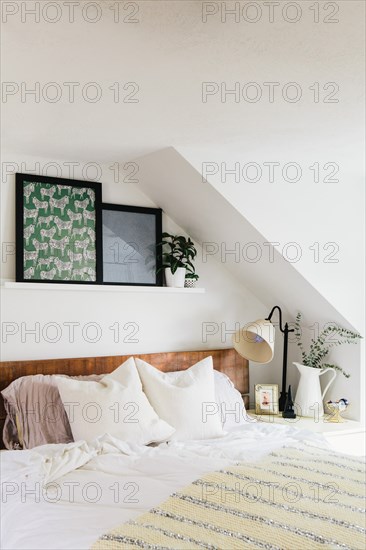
<point x="295" y="499"/>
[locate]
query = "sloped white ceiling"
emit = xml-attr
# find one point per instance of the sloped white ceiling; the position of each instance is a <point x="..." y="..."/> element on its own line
<point x="173" y="184"/>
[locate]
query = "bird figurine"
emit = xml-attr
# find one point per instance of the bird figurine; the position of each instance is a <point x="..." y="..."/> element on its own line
<point x="336" y="408"/>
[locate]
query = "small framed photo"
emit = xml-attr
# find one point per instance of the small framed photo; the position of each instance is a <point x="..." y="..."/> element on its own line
<point x="130" y="239"/>
<point x="58" y="230"/>
<point x="266" y="399"/>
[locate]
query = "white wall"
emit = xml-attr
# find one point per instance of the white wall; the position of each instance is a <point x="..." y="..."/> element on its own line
<point x="156" y="321"/>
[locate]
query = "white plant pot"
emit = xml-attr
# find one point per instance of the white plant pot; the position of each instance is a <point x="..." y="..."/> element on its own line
<point x="175" y="280"/>
<point x="309" y="396"/>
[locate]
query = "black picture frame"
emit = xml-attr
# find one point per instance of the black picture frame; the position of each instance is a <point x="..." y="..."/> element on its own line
<point x="74" y="265"/>
<point x="132" y="258"/>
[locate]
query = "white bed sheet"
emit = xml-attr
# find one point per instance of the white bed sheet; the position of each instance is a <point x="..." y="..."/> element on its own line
<point x="124" y="484"/>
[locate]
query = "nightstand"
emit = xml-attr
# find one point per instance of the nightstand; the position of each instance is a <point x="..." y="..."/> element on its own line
<point x="347" y="437"/>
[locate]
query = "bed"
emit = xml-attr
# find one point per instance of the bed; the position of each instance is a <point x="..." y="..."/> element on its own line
<point x="255" y="486"/>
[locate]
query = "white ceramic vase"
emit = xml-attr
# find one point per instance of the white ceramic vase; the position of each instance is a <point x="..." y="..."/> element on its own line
<point x="175" y="280"/>
<point x="309" y="396"/>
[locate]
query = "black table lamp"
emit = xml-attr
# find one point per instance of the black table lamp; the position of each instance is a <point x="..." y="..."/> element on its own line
<point x="255" y="342"/>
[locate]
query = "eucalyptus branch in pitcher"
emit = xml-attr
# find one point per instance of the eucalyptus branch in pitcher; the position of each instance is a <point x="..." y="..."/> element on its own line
<point x="321" y="346"/>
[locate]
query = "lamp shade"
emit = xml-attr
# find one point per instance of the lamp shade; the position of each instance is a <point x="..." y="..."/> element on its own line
<point x="255" y="341"/>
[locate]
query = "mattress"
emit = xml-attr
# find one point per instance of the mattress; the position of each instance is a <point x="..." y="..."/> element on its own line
<point x="66" y="497"/>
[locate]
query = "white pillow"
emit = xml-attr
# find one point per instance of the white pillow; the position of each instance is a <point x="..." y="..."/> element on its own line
<point x="186" y="401"/>
<point x="230" y="402"/>
<point x="230" y="405"/>
<point x="115" y="405"/>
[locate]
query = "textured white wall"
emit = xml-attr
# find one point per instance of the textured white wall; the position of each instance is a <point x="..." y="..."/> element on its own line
<point x="46" y="324"/>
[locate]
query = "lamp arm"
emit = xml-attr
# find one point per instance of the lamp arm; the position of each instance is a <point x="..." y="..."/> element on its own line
<point x="283" y="330"/>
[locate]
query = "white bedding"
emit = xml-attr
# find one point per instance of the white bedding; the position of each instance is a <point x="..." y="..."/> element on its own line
<point x="124" y="481"/>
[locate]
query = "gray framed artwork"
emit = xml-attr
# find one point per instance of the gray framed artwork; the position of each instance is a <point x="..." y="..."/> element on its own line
<point x="131" y="237"/>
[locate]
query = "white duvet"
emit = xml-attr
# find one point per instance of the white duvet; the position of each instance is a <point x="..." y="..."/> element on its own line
<point x="66" y="496"/>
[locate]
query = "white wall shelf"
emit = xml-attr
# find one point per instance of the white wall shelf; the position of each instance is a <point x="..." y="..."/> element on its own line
<point x="100" y="288"/>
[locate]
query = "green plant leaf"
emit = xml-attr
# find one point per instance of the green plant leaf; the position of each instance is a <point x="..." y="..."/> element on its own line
<point x="320" y="347"/>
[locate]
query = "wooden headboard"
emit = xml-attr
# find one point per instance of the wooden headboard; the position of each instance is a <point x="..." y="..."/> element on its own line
<point x="224" y="360"/>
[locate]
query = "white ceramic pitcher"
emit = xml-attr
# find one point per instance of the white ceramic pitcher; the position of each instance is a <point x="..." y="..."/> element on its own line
<point x="309" y="396"/>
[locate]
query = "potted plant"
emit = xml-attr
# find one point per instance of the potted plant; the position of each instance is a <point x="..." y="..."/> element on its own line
<point x="177" y="253"/>
<point x="309" y="395"/>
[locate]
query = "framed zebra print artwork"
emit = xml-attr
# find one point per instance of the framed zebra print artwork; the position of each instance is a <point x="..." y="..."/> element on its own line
<point x="58" y="230"/>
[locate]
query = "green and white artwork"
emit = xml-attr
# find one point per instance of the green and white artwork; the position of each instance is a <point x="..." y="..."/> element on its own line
<point x="59" y="232"/>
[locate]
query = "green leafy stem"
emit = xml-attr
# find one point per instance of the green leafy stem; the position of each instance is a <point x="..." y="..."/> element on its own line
<point x="321" y="346"/>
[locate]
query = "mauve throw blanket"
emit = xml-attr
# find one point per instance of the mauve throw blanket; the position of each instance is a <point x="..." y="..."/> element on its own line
<point x="35" y="413"/>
